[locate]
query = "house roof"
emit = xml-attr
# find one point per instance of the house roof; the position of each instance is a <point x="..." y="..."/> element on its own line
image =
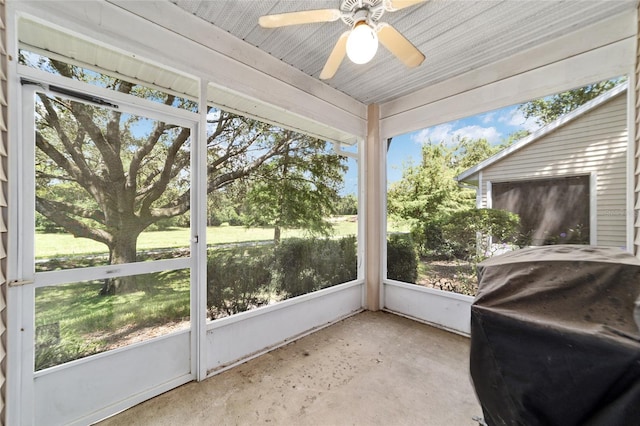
<point x="543" y="131"/>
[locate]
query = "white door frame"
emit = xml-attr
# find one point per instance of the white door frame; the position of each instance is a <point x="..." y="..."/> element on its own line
<point x="23" y="396"/>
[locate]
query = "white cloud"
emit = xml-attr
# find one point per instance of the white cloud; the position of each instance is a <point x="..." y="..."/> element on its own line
<point x="488" y="117"/>
<point x="476" y="132"/>
<point x="436" y="134"/>
<point x="515" y="118"/>
<point x="446" y="134"/>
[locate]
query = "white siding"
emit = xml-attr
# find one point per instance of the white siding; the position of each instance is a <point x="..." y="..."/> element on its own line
<point x="593" y="143"/>
<point x="3" y="209"/>
<point x="636" y="127"/>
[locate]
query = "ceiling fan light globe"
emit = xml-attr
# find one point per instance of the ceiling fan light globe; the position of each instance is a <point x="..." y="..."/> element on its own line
<point x="362" y="44"/>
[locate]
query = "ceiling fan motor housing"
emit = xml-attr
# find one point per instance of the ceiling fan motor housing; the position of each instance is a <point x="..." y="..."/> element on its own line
<point x="354" y="11"/>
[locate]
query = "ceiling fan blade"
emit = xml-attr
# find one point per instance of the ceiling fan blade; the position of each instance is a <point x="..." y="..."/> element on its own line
<point x="335" y="58"/>
<point x="392" y="5"/>
<point x="296" y="18"/>
<point x="397" y="44"/>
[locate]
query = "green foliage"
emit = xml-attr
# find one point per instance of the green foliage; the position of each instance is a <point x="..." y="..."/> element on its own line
<point x="427" y="195"/>
<point x="107" y="175"/>
<point x="306" y="265"/>
<point x="47" y="226"/>
<point x="242" y="278"/>
<point x="430" y="240"/>
<point x="238" y="279"/>
<point x="514" y="137"/>
<point x="427" y="189"/>
<point x="470" y="152"/>
<point x="571" y="235"/>
<point x="298" y="189"/>
<point x="225" y="214"/>
<point x="402" y="258"/>
<point x="461" y="230"/>
<point x="170" y="223"/>
<point x="347" y="205"/>
<point x="51" y="355"/>
<point x="228" y="204"/>
<point x="548" y="109"/>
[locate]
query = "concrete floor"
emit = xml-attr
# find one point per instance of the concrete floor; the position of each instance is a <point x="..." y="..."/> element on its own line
<point x="373" y="368"/>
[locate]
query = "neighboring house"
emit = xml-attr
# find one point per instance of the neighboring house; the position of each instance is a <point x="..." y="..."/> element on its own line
<point x="569" y="180"/>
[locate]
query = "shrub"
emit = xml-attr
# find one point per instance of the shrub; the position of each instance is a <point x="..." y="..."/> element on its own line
<point x="306" y="265"/>
<point x="431" y="242"/>
<point x="164" y="224"/>
<point x="402" y="258"/>
<point x="242" y="278"/>
<point x="461" y="231"/>
<point x="238" y="279"/>
<point x="229" y="215"/>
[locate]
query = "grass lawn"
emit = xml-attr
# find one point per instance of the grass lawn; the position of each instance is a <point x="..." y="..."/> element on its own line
<point x="73" y="320"/>
<point x="63" y="245"/>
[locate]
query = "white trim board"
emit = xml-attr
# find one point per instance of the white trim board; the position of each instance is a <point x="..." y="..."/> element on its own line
<point x="599" y="34"/>
<point x="575" y="71"/>
<point x="116" y="26"/>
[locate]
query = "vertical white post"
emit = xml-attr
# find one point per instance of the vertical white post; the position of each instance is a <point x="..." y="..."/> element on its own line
<point x="479" y="191"/>
<point x="199" y="229"/>
<point x="373" y="211"/>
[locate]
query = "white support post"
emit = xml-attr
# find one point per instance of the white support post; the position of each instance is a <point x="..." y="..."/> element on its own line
<point x="199" y="187"/>
<point x="373" y="211"/>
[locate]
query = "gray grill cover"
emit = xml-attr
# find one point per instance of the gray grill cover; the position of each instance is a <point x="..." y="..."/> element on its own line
<point x="555" y="339"/>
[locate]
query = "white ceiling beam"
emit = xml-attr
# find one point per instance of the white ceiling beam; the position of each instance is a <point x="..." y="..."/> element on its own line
<point x="203" y="52"/>
<point x="600" y="51"/>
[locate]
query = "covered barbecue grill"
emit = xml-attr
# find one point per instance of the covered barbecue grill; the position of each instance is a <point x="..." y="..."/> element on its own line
<point x="555" y="337"/>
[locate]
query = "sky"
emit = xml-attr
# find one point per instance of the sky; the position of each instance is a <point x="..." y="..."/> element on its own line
<point x="494" y="126"/>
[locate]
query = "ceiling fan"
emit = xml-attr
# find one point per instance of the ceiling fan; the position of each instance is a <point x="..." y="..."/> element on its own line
<point x="360" y="43"/>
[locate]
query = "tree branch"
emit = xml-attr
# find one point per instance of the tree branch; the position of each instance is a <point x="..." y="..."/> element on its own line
<point x="142" y="152"/>
<point x="60" y="214"/>
<point x="160" y="184"/>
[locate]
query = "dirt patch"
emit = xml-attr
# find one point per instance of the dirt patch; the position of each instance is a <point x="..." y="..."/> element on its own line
<point x="457" y="276"/>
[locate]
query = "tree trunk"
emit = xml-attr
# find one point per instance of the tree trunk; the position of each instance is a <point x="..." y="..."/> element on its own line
<point x="279" y="221"/>
<point x="276" y="235"/>
<point x="123" y="250"/>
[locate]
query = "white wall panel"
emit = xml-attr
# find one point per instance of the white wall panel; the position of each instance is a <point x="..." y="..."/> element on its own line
<point x="88" y="390"/>
<point x="230" y="340"/>
<point x="444" y="309"/>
